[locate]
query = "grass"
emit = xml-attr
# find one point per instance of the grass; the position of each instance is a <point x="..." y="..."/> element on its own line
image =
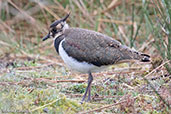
<point x="33" y="78"/>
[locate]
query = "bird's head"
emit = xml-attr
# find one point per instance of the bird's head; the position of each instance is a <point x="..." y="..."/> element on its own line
<point x="57" y="28"/>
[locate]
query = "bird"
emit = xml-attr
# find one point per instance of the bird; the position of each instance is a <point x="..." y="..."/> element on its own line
<point x="88" y="51"/>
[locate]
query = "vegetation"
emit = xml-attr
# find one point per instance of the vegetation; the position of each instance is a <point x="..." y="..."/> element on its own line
<point x="33" y="78"/>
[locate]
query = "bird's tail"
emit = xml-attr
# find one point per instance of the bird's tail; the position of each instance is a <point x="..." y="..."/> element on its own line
<point x="128" y="54"/>
<point x="131" y="54"/>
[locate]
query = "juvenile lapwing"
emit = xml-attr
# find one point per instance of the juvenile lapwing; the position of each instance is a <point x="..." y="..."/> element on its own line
<point x="88" y="51"/>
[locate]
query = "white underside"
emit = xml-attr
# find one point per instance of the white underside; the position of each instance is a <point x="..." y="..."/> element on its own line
<point x="72" y="63"/>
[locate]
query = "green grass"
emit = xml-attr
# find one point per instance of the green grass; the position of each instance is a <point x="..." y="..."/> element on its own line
<point x="30" y="68"/>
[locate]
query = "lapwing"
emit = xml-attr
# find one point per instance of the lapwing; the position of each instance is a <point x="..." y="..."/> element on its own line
<point x="87" y="51"/>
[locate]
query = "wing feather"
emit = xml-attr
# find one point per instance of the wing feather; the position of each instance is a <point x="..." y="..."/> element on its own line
<point x="93" y="47"/>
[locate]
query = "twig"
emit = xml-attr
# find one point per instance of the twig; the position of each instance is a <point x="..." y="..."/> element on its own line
<point x="61" y="7"/>
<point x="7" y="26"/>
<point x="115" y="21"/>
<point x="5" y="44"/>
<point x="35" y="67"/>
<point x="58" y="81"/>
<point x="26" y="15"/>
<point x="103" y="107"/>
<point x="113" y="5"/>
<point x="31" y="19"/>
<point x="83" y="10"/>
<point x="124" y="84"/>
<point x="44" y="105"/>
<point x="49" y="10"/>
<point x="156" y="69"/>
<point x="153" y="88"/>
<point x="41" y="57"/>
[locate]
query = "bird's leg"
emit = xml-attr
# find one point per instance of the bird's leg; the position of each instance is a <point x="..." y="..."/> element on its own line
<point x="88" y="89"/>
<point x="89" y="94"/>
<point x="90" y="79"/>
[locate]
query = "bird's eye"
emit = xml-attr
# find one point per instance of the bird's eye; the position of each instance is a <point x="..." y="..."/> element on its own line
<point x="53" y="30"/>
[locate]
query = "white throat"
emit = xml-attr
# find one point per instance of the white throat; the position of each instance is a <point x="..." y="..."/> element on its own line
<point x="66" y="26"/>
<point x="57" y="35"/>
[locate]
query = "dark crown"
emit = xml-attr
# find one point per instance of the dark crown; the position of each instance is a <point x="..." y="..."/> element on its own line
<point x="59" y="21"/>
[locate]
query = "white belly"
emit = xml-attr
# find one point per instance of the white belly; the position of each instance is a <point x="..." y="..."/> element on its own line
<point x="72" y="63"/>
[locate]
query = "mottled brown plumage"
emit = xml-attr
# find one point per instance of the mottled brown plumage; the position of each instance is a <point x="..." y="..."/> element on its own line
<point x="96" y="48"/>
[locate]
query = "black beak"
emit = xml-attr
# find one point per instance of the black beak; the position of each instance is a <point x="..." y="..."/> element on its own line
<point x="46" y="37"/>
<point x="59" y="21"/>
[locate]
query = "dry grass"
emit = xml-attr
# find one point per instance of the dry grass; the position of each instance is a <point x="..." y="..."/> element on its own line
<point x="34" y="79"/>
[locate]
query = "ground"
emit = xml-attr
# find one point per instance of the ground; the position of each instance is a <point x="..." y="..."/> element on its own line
<point x="33" y="85"/>
<point x="34" y="79"/>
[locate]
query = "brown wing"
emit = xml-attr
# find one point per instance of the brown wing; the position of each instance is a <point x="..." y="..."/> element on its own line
<point x="94" y="47"/>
